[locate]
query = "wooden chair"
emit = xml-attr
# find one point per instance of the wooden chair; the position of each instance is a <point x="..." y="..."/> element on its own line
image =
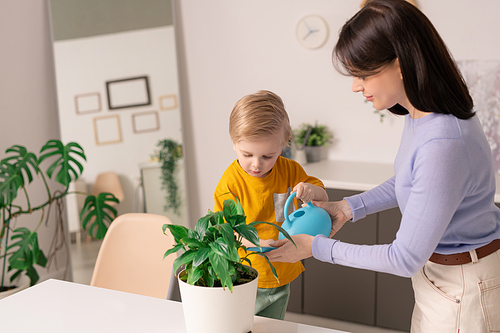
<point x="131" y="256"/>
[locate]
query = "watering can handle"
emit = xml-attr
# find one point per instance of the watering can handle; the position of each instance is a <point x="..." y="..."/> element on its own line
<point x="287" y="203"/>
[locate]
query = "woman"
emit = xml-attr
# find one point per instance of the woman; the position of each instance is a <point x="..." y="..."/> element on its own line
<point x="444" y="184"/>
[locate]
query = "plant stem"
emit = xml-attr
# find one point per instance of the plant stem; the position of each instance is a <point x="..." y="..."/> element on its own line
<point x="46" y="185"/>
<point x="7" y="222"/>
<point x="51" y="199"/>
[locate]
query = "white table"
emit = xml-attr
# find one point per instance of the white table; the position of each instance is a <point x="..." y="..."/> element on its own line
<point x="56" y="306"/>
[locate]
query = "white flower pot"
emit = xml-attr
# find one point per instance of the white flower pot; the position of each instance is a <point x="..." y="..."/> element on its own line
<point x="215" y="310"/>
<point x="22" y="283"/>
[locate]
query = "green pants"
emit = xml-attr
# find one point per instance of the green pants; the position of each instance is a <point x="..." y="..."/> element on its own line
<point x="272" y="302"/>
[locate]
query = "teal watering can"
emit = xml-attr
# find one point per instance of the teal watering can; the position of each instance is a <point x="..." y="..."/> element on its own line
<point x="309" y="220"/>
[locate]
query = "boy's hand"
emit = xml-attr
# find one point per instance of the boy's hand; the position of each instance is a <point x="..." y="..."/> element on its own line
<point x="265" y="242"/>
<point x="262" y="242"/>
<point x="305" y="192"/>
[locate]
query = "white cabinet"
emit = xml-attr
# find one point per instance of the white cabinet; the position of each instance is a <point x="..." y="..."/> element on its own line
<point x="154" y="195"/>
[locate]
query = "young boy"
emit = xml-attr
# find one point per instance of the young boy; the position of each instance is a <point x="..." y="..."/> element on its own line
<point x="262" y="180"/>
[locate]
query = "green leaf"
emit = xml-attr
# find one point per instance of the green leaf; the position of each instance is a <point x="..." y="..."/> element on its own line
<point x="248" y="232"/>
<point x="194" y="274"/>
<point x="13" y="170"/>
<point x="222" y="249"/>
<point x="10" y="182"/>
<point x="227" y="233"/>
<point x="236" y="220"/>
<point x="65" y="160"/>
<point x="229" y="209"/>
<point x="99" y="213"/>
<point x="221" y="267"/>
<point x="202" y="225"/>
<point x="33" y="275"/>
<point x="176" y="248"/>
<point x="217" y="218"/>
<point x="178" y="231"/>
<point x="184" y="258"/>
<point x="27" y="254"/>
<point x="191" y="243"/>
<point x="270" y="265"/>
<point x="201" y="256"/>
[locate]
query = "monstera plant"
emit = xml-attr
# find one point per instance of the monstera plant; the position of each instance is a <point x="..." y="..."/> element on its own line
<point x="60" y="164"/>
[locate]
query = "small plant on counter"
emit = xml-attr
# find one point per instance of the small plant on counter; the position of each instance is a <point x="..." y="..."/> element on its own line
<point x="317" y="135"/>
<point x="168" y="154"/>
<point x="20" y="246"/>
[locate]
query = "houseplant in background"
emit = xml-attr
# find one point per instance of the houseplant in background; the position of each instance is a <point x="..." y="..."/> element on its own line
<point x="19" y="246"/>
<point x="214" y="277"/>
<point x="313" y="138"/>
<point x="169" y="153"/>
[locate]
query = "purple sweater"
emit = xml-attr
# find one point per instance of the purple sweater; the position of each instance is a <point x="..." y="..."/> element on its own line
<point x="444" y="185"/>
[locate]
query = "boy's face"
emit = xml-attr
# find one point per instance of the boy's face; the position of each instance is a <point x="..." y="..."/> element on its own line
<point x="257" y="157"/>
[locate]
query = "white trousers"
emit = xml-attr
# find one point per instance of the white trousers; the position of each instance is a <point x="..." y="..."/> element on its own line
<point x="458" y="298"/>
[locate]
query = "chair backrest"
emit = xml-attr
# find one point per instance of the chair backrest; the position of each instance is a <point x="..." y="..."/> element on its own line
<point x="131" y="256"/>
<point x="108" y="182"/>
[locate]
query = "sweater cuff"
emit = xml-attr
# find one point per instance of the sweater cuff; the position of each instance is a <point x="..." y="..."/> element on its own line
<point x="322" y="248"/>
<point x="357" y="207"/>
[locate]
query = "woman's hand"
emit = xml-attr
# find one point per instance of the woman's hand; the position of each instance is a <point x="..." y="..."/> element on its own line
<point x="339" y="212"/>
<point x="287" y="252"/>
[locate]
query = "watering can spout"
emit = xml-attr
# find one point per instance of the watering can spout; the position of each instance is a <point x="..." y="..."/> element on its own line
<point x="309" y="220"/>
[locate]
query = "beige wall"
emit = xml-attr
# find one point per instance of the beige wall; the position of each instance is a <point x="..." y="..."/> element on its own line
<point x="233" y="48"/>
<point x="230" y="48"/>
<point x="27" y="94"/>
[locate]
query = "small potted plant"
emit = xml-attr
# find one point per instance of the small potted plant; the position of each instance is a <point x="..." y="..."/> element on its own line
<point x="214" y="276"/>
<point x="18" y="170"/>
<point x="168" y="154"/>
<point x="312" y="139"/>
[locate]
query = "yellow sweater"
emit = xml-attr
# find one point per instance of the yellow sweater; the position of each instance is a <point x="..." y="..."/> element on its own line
<point x="263" y="199"/>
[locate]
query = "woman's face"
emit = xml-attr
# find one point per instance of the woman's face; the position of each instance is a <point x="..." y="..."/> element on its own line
<point x="384" y="89"/>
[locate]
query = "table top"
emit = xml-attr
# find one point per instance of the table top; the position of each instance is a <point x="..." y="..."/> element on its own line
<point x="56" y="306"/>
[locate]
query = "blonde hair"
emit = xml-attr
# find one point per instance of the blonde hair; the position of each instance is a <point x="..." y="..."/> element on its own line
<point x="258" y="116"/>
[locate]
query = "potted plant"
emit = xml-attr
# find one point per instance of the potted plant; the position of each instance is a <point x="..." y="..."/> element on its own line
<point x="168" y="154"/>
<point x="19" y="246"/>
<point x="214" y="276"/>
<point x="312" y="138"/>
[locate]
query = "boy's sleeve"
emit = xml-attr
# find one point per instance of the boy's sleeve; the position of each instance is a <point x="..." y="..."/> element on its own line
<point x="302" y="176"/>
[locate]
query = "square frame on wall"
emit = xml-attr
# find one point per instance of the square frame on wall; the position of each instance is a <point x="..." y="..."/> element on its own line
<point x="107" y="130"/>
<point x="168" y="102"/>
<point x="128" y="93"/>
<point x="144" y="122"/>
<point x="88" y="103"/>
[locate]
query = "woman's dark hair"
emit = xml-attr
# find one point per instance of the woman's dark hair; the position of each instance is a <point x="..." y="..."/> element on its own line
<point x="384" y="30"/>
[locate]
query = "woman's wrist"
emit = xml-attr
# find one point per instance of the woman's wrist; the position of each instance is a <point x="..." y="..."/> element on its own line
<point x="346" y="209"/>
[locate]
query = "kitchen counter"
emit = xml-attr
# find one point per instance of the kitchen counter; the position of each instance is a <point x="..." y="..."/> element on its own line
<point x="357" y="176"/>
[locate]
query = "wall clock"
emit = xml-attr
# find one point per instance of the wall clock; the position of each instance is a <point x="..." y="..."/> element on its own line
<point x="312" y="31"/>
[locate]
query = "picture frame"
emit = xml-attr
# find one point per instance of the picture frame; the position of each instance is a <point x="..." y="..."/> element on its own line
<point x="168" y="102"/>
<point x="144" y="122"/>
<point x="128" y="93"/>
<point x="107" y="130"/>
<point x="88" y="103"/>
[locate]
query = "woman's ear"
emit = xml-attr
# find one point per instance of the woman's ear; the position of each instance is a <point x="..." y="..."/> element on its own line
<point x="396" y="63"/>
